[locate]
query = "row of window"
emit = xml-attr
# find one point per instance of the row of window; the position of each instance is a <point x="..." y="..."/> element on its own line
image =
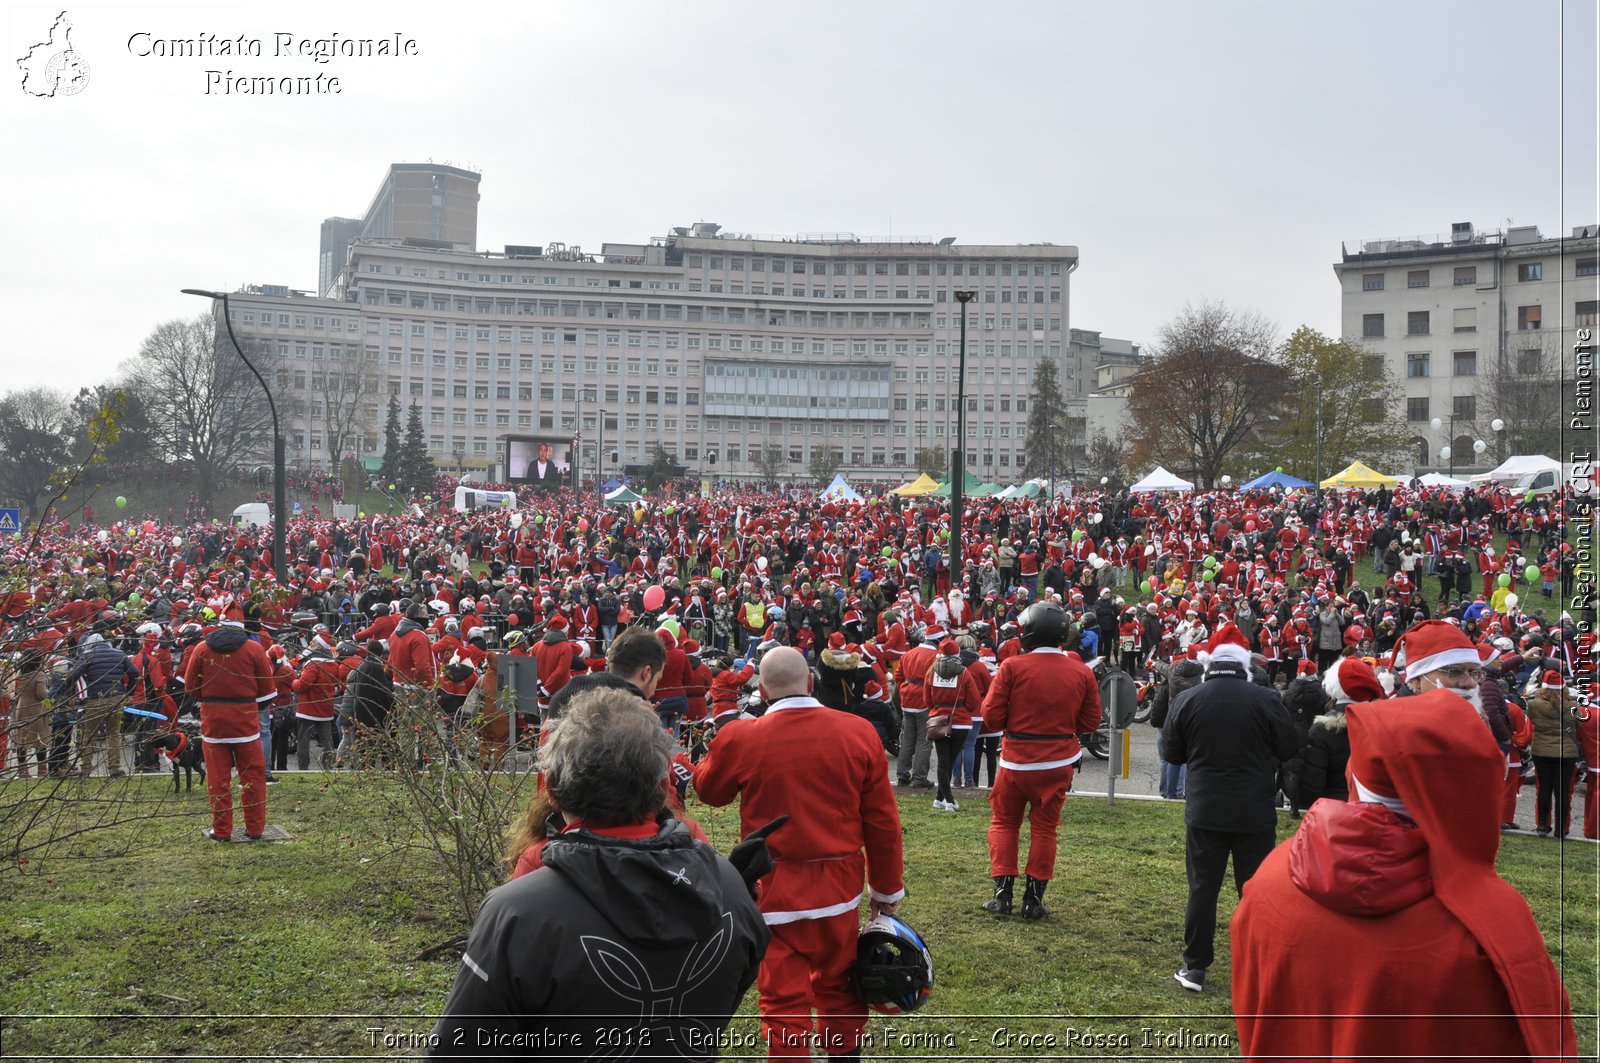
<point x="549" y="279"/>
<point x="1462" y="407"/>
<point x="264" y="319"/>
<point x="880" y="268"/>
<point x="1468" y="275"/>
<point x="1585" y="313"/>
<point x="1463" y="363"/>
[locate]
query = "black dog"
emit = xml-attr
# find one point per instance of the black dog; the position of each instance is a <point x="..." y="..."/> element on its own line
<point x="182" y="750"/>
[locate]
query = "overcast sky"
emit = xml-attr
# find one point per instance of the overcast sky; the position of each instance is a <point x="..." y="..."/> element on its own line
<point x="1216" y="150"/>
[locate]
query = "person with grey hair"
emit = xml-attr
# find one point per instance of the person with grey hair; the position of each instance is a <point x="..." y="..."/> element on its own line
<point x="631" y="933"/>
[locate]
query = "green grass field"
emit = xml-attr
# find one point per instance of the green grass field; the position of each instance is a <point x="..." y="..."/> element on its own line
<point x="188" y="948"/>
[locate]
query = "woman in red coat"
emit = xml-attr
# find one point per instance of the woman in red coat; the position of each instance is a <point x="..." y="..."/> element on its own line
<point x="953" y="694"/>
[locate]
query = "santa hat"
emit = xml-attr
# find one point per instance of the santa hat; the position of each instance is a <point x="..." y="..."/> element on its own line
<point x="1305" y="667"/>
<point x="1352" y="679"/>
<point x="559" y="623"/>
<point x="934" y="633"/>
<point x="690" y="646"/>
<point x="949" y="648"/>
<point x="1552" y="680"/>
<point x="1227" y="646"/>
<point x="873" y="690"/>
<point x="668" y="639"/>
<point x="836" y="641"/>
<point x="1434" y="644"/>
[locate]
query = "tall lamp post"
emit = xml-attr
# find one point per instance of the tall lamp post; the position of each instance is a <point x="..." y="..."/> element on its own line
<point x="958" y="456"/>
<point x="599" y="459"/>
<point x="280" y="562"/>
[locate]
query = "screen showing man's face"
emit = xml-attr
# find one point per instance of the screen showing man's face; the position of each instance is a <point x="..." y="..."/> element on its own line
<point x="544" y="452"/>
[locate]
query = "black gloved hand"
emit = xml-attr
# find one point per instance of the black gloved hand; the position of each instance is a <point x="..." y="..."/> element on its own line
<point x="751" y="858"/>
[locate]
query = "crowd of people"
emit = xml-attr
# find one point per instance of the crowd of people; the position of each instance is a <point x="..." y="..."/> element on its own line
<point x="969" y="655"/>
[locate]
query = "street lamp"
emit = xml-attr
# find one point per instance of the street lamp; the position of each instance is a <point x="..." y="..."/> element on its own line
<point x="599" y="458"/>
<point x="280" y="565"/>
<point x="1499" y="427"/>
<point x="958" y="463"/>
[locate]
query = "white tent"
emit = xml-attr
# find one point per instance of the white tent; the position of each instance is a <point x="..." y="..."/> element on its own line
<point x="1517" y="466"/>
<point x="840" y="491"/>
<point x="1162" y="480"/>
<point x="1439" y="479"/>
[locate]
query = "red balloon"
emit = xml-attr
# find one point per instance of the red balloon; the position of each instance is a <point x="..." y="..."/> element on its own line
<point x="513" y="620"/>
<point x="1249" y="525"/>
<point x="654" y="597"/>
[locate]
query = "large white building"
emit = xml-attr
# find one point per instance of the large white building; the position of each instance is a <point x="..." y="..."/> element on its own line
<point x="1465" y="320"/>
<point x="705" y="342"/>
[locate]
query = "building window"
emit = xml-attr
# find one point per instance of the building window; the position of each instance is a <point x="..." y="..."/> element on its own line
<point x="1372" y="326"/>
<point x="1586" y="313"/>
<point x="1466" y="275"/>
<point x="1530" y="271"/>
<point x="1465" y="407"/>
<point x="1373" y="366"/>
<point x="1588" y="267"/>
<point x="1371" y="411"/>
<point x="1417" y="364"/>
<point x="1466" y="363"/>
<point x="1417" y="409"/>
<point x="1530" y="362"/>
<point x="1417" y="278"/>
<point x="1529" y="317"/>
<point x="1417" y="323"/>
<point x="1466" y="319"/>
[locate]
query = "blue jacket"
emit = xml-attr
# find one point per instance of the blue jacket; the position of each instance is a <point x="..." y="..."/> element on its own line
<point x="104" y="669"/>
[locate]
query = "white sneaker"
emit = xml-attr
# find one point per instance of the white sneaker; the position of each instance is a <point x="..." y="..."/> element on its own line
<point x="952" y="806"/>
<point x="941" y="806"/>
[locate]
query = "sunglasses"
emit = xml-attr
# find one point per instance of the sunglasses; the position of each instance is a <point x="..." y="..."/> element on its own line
<point x="1463" y="670"/>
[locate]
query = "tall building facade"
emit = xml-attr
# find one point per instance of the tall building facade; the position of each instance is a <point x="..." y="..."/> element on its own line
<point x="718" y="347"/>
<point x="1474" y="324"/>
<point x="427" y="202"/>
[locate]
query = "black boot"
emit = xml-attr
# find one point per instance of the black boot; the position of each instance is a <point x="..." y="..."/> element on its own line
<point x="1000" y="903"/>
<point x="1033" y="899"/>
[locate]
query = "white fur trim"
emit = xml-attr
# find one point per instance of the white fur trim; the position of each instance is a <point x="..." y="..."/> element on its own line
<point x="1227" y="653"/>
<point x="1393" y="804"/>
<point x="1456" y="655"/>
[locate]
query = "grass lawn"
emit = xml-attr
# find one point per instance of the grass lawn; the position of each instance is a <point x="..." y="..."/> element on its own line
<point x="189" y="948"/>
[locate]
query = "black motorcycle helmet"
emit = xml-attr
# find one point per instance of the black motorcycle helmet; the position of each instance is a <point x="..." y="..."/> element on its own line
<point x="1044" y="624"/>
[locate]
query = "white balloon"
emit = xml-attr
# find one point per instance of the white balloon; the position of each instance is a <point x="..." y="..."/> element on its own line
<point x="1098" y="517"/>
<point x="1497" y="424"/>
<point x="761" y="563"/>
<point x="1479" y="446"/>
<point x="103" y="535"/>
<point x="516" y="520"/>
<point x="1149" y="551"/>
<point x="1511" y="601"/>
<point x="177" y="541"/>
<point x="1093" y="557"/>
<point x="1444" y="453"/>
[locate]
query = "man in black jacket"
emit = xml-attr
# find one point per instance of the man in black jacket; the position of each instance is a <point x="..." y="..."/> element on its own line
<point x="633" y="939"/>
<point x="1232" y="733"/>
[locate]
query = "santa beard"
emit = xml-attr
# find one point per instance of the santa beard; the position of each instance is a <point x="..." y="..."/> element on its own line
<point x="1472" y="696"/>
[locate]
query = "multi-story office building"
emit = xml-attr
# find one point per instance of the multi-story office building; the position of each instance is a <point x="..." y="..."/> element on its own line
<point x="715" y="346"/>
<point x="1474" y="324"/>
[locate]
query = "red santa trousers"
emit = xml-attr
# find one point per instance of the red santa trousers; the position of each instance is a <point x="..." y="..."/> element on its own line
<point x="807" y="966"/>
<point x="221" y="760"/>
<point x="1591" y="804"/>
<point x="1042" y="793"/>
<point x="1508" y="814"/>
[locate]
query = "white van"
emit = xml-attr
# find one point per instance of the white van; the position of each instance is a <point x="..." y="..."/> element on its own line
<point x="472" y="498"/>
<point x="252" y="515"/>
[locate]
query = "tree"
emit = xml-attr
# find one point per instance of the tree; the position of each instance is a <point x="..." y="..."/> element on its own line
<point x="1360" y="408"/>
<point x="933" y="461"/>
<point x="132" y="453"/>
<point x="203" y="403"/>
<point x="416" y="472"/>
<point x="1521" y="391"/>
<point x="770" y="462"/>
<point x="1046" y="445"/>
<point x="662" y="470"/>
<point x="1212" y="384"/>
<point x="824" y="463"/>
<point x="1105" y="459"/>
<point x="347" y="404"/>
<point x="35" y="438"/>
<point x="391" y="442"/>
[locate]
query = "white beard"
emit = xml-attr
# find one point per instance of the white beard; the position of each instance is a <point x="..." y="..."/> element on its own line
<point x="1473" y="697"/>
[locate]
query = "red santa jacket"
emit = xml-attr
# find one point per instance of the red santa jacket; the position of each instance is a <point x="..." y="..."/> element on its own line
<point x="959" y="696"/>
<point x="826" y="771"/>
<point x="319" y="684"/>
<point x="555" y="662"/>
<point x="1041" y="700"/>
<point x="229" y="674"/>
<point x="411" y="658"/>
<point x="912" y="674"/>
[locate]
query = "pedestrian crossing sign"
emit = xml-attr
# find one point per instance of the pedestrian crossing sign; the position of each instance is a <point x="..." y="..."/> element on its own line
<point x="10" y="521"/>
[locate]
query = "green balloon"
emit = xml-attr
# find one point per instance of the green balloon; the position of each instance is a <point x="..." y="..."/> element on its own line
<point x="539" y="519"/>
<point x="1077" y="535"/>
<point x="391" y="487"/>
<point x="888" y="551"/>
<point x="1150" y="585"/>
<point x="1211" y="562"/>
<point x="1502" y="580"/>
<point x="673" y="626"/>
<point x="1209" y="575"/>
<point x="134" y="599"/>
<point x="716" y="573"/>
<point x="1279" y="469"/>
<point x="1531" y="573"/>
<point x="122" y="503"/>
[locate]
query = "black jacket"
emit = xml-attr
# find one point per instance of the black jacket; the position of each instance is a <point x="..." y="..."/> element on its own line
<point x="1181" y="675"/>
<point x="1322" y="762"/>
<point x="369" y="694"/>
<point x="555" y="962"/>
<point x="1232" y="733"/>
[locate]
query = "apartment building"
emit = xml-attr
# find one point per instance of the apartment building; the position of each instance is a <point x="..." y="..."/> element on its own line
<point x="1474" y="324"/>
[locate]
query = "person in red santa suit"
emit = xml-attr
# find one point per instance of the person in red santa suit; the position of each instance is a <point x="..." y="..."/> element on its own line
<point x="1042" y="699"/>
<point x="1588" y="720"/>
<point x="229" y="675"/>
<point x="826" y="770"/>
<point x="1423" y="950"/>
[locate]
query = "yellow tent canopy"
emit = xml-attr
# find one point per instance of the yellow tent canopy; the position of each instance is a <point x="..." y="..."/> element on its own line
<point x="922" y="485"/>
<point x="1360" y="475"/>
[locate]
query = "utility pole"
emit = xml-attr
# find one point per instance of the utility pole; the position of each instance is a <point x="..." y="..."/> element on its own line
<point x="958" y="463"/>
